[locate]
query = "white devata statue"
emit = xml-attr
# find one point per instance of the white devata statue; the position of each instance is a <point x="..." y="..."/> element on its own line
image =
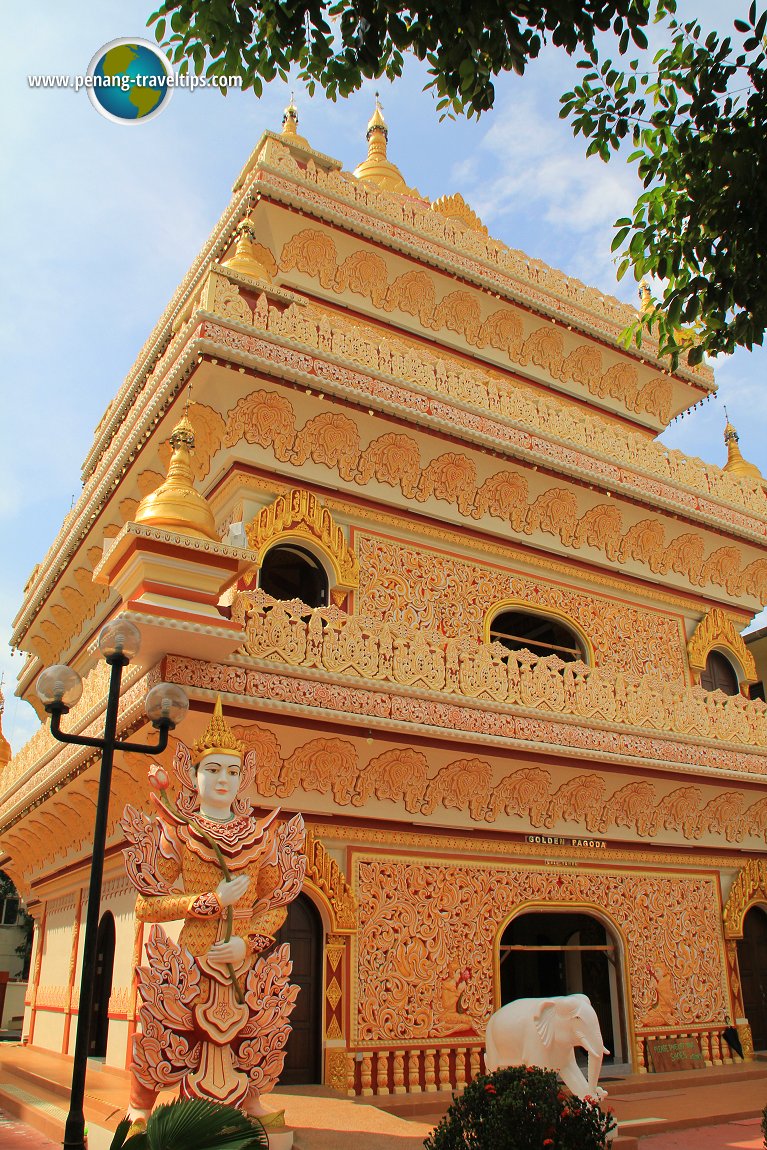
<point x="544" y="1032"/>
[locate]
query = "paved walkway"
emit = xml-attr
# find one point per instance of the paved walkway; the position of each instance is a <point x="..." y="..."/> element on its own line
<point x="714" y="1109"/>
<point x="16" y="1136"/>
<point x="743" y="1134"/>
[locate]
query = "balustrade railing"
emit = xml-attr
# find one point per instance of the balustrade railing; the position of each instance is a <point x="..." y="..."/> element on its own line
<point x="342" y="644"/>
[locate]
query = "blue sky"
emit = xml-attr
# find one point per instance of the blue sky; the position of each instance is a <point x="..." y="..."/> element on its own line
<point x="100" y="222"/>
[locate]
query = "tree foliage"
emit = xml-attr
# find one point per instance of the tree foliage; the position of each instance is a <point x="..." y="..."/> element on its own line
<point x="698" y="121"/>
<point x="340" y="43"/>
<point x="24" y="922"/>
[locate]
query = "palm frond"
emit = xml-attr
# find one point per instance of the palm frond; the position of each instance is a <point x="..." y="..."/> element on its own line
<point x="194" y="1124"/>
<point x="118" y="1141"/>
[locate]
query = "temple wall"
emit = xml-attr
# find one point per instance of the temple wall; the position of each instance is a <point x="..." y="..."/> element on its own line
<point x="422" y="918"/>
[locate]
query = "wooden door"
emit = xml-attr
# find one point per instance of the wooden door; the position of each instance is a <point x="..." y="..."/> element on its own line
<point x="752" y="959"/>
<point x="303" y="931"/>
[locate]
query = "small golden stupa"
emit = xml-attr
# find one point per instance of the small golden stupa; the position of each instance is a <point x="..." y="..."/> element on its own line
<point x="645" y="297"/>
<point x="219" y="738"/>
<point x="6" y="753"/>
<point x="736" y="464"/>
<point x="377" y="169"/>
<point x="175" y="504"/>
<point x="245" y="258"/>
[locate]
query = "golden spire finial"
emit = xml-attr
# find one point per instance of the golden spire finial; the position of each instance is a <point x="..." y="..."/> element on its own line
<point x="377" y="168"/>
<point x="645" y="297"/>
<point x="290" y="125"/>
<point x="6" y="753"/>
<point x="175" y="504"/>
<point x="245" y="258"/>
<point x="377" y="124"/>
<point x="736" y="464"/>
<point x="219" y="738"/>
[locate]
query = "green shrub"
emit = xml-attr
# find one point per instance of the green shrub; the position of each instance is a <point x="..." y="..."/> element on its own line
<point x="521" y="1108"/>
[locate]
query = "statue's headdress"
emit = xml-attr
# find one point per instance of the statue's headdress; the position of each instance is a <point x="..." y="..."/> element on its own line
<point x="218" y="738"/>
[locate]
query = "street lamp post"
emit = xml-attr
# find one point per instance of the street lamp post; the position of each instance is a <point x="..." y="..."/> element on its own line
<point x="166" y="704"/>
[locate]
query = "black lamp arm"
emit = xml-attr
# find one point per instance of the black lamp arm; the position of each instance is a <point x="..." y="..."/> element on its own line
<point x="164" y="726"/>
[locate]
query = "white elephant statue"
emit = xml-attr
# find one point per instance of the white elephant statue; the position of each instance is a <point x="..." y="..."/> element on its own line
<point x="544" y="1032"/>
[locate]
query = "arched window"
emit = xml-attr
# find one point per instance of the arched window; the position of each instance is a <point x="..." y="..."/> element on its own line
<point x="540" y="634"/>
<point x="292" y="572"/>
<point x="719" y="675"/>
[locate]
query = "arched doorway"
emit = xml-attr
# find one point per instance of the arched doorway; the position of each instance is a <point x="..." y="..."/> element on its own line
<point x="303" y="930"/>
<point x="752" y="961"/>
<point x="102" y="986"/>
<point x="556" y="952"/>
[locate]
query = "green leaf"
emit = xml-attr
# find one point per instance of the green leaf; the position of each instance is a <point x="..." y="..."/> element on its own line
<point x="618" y="239"/>
<point x="195" y="1124"/>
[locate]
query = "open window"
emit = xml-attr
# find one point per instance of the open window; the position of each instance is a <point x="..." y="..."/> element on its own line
<point x="719" y="674"/>
<point x="292" y="572"/>
<point x="539" y="633"/>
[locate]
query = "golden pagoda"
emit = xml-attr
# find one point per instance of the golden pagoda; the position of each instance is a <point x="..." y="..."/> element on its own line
<point x="5" y="746"/>
<point x="245" y="258"/>
<point x="466" y="611"/>
<point x="377" y="168"/>
<point x="290" y="126"/>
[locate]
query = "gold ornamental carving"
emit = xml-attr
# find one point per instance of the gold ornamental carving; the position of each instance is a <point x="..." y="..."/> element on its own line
<point x="337" y="1072"/>
<point x="333" y="440"/>
<point x="545" y="413"/>
<point x="324" y="873"/>
<point x="313" y="252"/>
<point x="388" y="650"/>
<point x="749" y="887"/>
<point x="300" y="516"/>
<point x="533" y="277"/>
<point x="716" y="630"/>
<point x="746" y="1041"/>
<point x="423" y="920"/>
<point x="455" y="208"/>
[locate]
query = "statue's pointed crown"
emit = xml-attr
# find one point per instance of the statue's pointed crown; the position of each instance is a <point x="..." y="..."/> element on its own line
<point x="218" y="738"/>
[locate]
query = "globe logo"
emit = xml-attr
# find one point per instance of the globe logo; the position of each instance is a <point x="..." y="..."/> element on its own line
<point x="128" y="81"/>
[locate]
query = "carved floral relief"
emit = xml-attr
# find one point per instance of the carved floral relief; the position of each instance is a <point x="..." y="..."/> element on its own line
<point x="422" y="920"/>
<point x="333" y="440"/>
<point x="314" y="253"/>
<point x="451" y="596"/>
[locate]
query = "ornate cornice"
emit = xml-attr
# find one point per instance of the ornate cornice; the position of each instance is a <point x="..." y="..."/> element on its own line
<point x="311" y="692"/>
<point x="470" y="843"/>
<point x="281" y="357"/>
<point x="433" y="238"/>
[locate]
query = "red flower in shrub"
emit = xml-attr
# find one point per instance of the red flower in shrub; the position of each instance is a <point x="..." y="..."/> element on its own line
<point x="548" y="1141"/>
<point x="490" y="1089"/>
